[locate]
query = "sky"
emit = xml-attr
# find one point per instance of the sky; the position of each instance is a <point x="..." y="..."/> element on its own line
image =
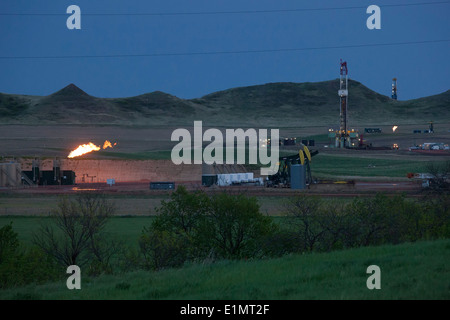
<point x="39" y="55"/>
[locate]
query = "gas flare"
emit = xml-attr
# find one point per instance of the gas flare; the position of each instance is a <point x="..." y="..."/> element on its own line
<point x="86" y="148"/>
<point x="107" y="144"/>
<point x="394" y="128"/>
<point x="83" y="149"/>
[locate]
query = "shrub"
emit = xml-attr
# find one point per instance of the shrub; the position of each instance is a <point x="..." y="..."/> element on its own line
<point x="19" y="266"/>
<point x="304" y="217"/>
<point x="366" y="221"/>
<point x="183" y="213"/>
<point x="192" y="226"/>
<point x="8" y="242"/>
<point x="234" y="227"/>
<point x="78" y="239"/>
<point x="162" y="249"/>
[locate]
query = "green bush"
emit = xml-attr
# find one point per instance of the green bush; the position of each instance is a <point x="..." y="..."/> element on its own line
<point x="78" y="238"/>
<point x="162" y="249"/>
<point x="183" y="213"/>
<point x="193" y="227"/>
<point x="234" y="227"/>
<point x="23" y="266"/>
<point x="365" y="222"/>
<point x="8" y="243"/>
<point x="304" y="213"/>
<point x="436" y="217"/>
<point x="280" y="243"/>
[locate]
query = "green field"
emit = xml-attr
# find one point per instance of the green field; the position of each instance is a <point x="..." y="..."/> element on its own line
<point x="125" y="228"/>
<point x="408" y="271"/>
<point x="144" y="155"/>
<point x="322" y="165"/>
<point x="333" y="166"/>
<point x="126" y="205"/>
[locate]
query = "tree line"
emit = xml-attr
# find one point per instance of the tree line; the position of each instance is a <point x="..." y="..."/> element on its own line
<point x="194" y="227"/>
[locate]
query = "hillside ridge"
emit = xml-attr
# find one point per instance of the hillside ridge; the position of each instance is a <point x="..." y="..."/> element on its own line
<point x="270" y="104"/>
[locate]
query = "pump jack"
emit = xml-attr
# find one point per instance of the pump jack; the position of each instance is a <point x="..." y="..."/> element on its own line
<point x="283" y="177"/>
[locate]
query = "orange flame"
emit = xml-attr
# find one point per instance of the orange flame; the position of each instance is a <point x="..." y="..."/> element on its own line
<point x="86" y="148"/>
<point x="83" y="149"/>
<point x="394" y="128"/>
<point x="107" y="144"/>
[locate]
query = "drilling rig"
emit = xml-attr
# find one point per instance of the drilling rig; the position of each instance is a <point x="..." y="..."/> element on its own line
<point x="343" y="137"/>
<point x="394" y="89"/>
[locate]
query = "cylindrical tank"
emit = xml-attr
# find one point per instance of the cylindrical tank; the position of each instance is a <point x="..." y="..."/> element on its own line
<point x="298" y="176"/>
<point x="10" y="175"/>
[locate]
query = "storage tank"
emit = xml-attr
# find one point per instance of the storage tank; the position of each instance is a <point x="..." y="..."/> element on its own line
<point x="298" y="176"/>
<point x="10" y="175"/>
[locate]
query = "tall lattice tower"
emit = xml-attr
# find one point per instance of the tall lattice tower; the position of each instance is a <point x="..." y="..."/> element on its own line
<point x="394" y="89"/>
<point x="343" y="138"/>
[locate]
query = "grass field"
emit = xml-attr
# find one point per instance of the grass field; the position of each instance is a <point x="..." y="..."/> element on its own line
<point x="408" y="271"/>
<point x="124" y="228"/>
<point x="41" y="205"/>
<point x="323" y="165"/>
<point x="20" y="206"/>
<point x="331" y="165"/>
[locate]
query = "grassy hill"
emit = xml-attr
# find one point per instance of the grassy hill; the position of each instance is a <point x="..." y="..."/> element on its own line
<point x="408" y="271"/>
<point x="268" y="105"/>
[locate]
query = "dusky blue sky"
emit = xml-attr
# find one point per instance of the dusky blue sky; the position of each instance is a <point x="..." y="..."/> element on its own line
<point x="421" y="69"/>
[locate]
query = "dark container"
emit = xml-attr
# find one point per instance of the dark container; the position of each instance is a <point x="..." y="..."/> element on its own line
<point x="162" y="185"/>
<point x="68" y="177"/>
<point x="209" y="179"/>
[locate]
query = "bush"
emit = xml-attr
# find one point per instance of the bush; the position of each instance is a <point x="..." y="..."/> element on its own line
<point x="8" y="243"/>
<point x="436" y="217"/>
<point x="181" y="218"/>
<point x="280" y="243"/>
<point x="183" y="213"/>
<point x="234" y="227"/>
<point x="366" y="221"/>
<point x="440" y="178"/>
<point x="19" y="266"/>
<point x="192" y="226"/>
<point x="305" y="219"/>
<point x="78" y="239"/>
<point x="162" y="249"/>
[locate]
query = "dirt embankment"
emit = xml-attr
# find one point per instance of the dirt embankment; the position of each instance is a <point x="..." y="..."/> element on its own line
<point x="98" y="171"/>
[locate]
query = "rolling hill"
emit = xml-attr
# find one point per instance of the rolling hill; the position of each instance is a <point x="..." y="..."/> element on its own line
<point x="283" y="104"/>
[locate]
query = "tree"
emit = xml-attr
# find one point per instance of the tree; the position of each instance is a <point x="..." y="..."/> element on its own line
<point x="234" y="226"/>
<point x="440" y="177"/>
<point x="304" y="212"/>
<point x="369" y="218"/>
<point x="19" y="265"/>
<point x="79" y="223"/>
<point x="335" y="223"/>
<point x="183" y="212"/>
<point x="162" y="249"/>
<point x="8" y="242"/>
<point x="193" y="226"/>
